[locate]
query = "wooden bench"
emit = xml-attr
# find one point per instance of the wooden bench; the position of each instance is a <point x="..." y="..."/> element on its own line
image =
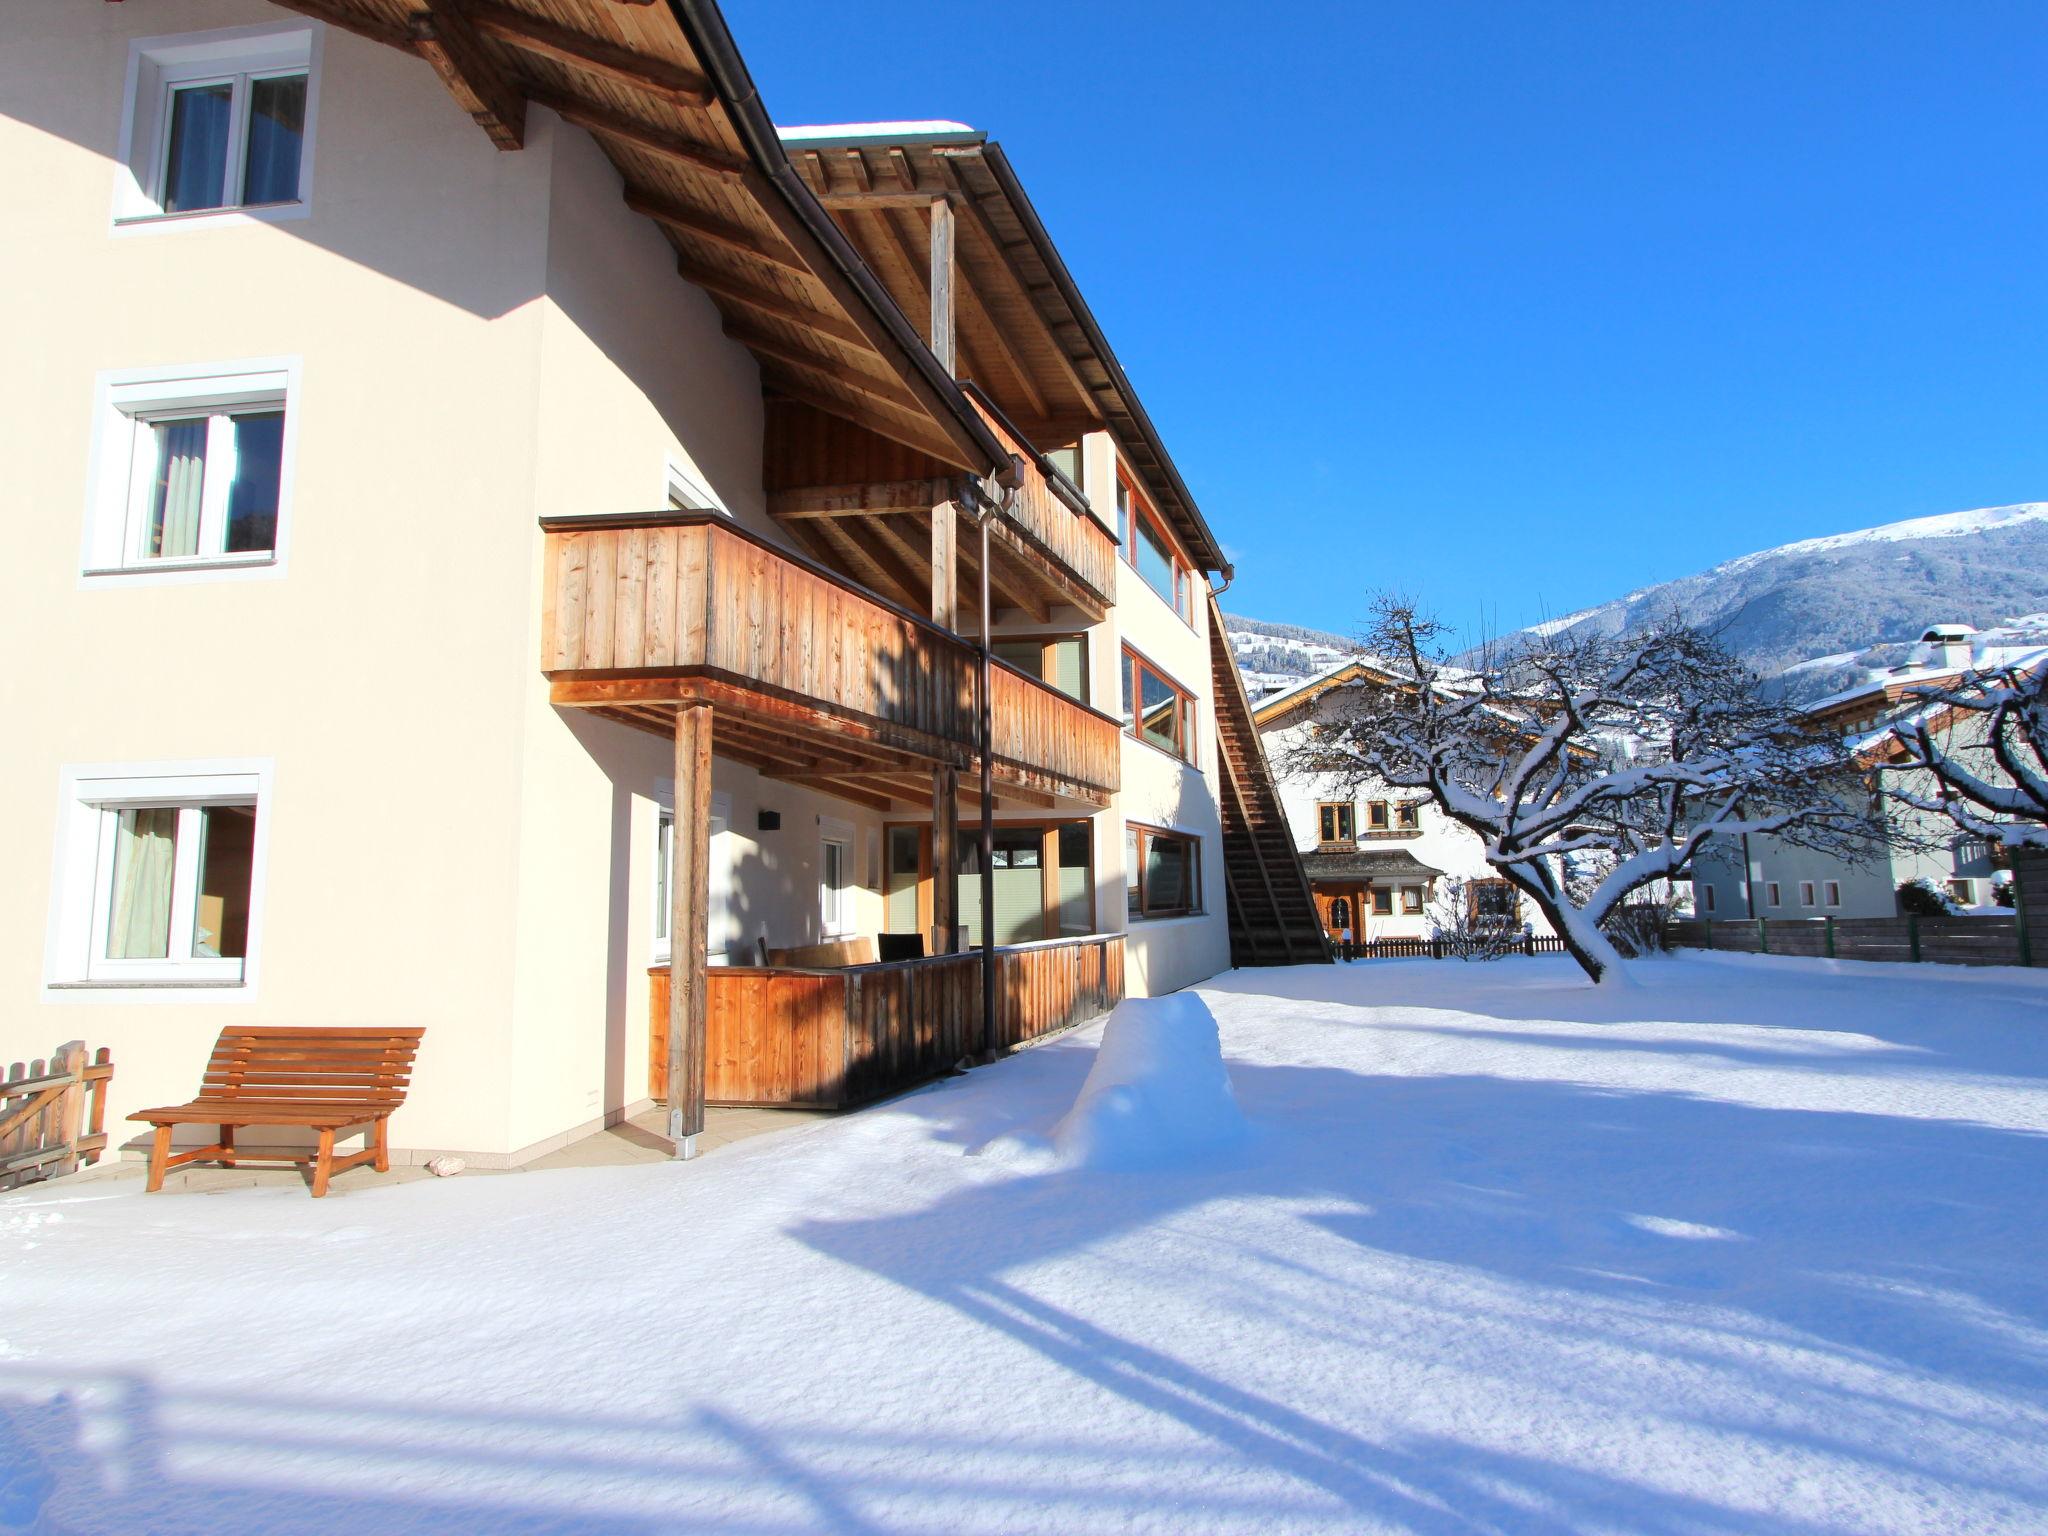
<point x="328" y="1080"/>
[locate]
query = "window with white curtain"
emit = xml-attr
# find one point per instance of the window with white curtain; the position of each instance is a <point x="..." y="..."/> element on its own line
<point x="158" y="877"/>
<point x="193" y="470"/>
<point x="219" y="122"/>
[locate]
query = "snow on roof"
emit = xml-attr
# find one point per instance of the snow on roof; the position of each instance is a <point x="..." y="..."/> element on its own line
<point x="885" y="133"/>
<point x="1983" y="658"/>
<point x="1986" y="659"/>
<point x="1319" y="676"/>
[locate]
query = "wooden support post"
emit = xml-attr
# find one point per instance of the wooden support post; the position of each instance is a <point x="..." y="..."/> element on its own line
<point x="945" y="564"/>
<point x="690" y="902"/>
<point x="942" y="282"/>
<point x="945" y="858"/>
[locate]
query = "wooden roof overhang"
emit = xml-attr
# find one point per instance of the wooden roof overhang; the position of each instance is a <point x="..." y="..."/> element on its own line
<point x="810" y="678"/>
<point x="1024" y="333"/>
<point x="663" y="90"/>
<point x="867" y="509"/>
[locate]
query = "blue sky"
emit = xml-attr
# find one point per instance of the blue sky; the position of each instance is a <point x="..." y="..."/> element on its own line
<point x="1516" y="307"/>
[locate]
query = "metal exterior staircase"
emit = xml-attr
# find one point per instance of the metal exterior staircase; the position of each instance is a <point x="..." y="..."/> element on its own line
<point x="1272" y="915"/>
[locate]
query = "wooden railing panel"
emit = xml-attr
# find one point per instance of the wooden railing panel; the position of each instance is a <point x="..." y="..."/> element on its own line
<point x="1043" y="988"/>
<point x="781" y="1036"/>
<point x="639" y="596"/>
<point x="636" y="596"/>
<point x="1043" y="516"/>
<point x="1037" y="729"/>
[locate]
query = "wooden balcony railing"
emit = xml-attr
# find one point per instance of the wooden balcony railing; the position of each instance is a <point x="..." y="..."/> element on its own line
<point x="827" y="1039"/>
<point x="644" y="610"/>
<point x="1040" y="735"/>
<point x="1046" y="516"/>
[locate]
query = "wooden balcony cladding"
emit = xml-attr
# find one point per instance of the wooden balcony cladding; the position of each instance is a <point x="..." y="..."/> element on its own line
<point x="1047" y="517"/>
<point x="644" y="599"/>
<point x="1042" y="739"/>
<point x="810" y="675"/>
<point x="833" y="1039"/>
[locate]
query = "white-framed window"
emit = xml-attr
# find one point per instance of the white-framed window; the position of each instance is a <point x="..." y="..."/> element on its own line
<point x="219" y="124"/>
<point x="1963" y="892"/>
<point x="1806" y="893"/>
<point x="685" y="490"/>
<point x="159" y="875"/>
<point x="1706" y="898"/>
<point x="192" y="470"/>
<point x="835" y="877"/>
<point x="1771" y="894"/>
<point x="1832" y="892"/>
<point x="717" y="939"/>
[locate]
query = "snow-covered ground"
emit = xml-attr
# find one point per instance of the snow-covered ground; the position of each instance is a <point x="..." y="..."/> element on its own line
<point x="1758" y="1247"/>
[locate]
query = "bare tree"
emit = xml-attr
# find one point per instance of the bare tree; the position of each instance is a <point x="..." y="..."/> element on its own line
<point x="1589" y="766"/>
<point x="1459" y="924"/>
<point x="1984" y="741"/>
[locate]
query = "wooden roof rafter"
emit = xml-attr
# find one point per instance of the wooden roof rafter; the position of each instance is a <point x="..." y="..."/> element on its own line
<point x="662" y="89"/>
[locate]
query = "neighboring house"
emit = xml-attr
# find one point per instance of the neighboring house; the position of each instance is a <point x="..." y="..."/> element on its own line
<point x="466" y="470"/>
<point x="1376" y="856"/>
<point x="1764" y="878"/>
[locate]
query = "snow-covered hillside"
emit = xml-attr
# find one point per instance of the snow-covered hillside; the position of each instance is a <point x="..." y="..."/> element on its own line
<point x="1272" y="656"/>
<point x="1823" y="612"/>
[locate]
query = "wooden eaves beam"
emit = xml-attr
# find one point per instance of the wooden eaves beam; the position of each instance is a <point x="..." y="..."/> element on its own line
<point x="837" y="370"/>
<point x="689" y="221"/>
<point x="444" y="38"/>
<point x="1006" y="264"/>
<point x="856" y="500"/>
<point x="658" y="141"/>
<point x="533" y="34"/>
<point x="777" y="306"/>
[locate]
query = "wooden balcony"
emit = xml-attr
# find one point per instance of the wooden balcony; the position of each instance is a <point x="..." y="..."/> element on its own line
<point x="833" y="1038"/>
<point x="1051" y="518"/>
<point x="811" y="678"/>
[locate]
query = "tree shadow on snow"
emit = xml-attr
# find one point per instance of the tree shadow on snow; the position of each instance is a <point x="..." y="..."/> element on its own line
<point x="1816" y="1260"/>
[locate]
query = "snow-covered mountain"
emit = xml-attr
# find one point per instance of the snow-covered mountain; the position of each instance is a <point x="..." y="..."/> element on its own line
<point x="1272" y="656"/>
<point x="1825" y="613"/>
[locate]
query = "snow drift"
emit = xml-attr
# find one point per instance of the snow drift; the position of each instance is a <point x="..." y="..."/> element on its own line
<point x="1157" y="1093"/>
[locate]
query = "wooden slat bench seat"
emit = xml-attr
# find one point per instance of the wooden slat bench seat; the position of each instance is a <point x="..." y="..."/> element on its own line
<point x="328" y="1080"/>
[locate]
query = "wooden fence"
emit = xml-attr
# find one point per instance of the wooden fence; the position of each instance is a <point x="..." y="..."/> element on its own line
<point x="1937" y="940"/>
<point x="1437" y="949"/>
<point x="47" y="1127"/>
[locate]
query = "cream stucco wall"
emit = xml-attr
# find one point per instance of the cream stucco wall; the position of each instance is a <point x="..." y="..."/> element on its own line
<point x="371" y="674"/>
<point x="480" y="339"/>
<point x="1160" y="954"/>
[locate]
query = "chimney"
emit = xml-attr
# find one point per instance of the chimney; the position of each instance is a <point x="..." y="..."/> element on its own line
<point x="1947" y="646"/>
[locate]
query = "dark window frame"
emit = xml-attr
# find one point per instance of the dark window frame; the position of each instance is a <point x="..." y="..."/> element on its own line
<point x="1139" y="836"/>
<point x="1187" y="734"/>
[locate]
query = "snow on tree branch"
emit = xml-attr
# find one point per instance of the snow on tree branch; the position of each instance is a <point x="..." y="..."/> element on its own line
<point x="1589" y="766"/>
<point x="1984" y="742"/>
